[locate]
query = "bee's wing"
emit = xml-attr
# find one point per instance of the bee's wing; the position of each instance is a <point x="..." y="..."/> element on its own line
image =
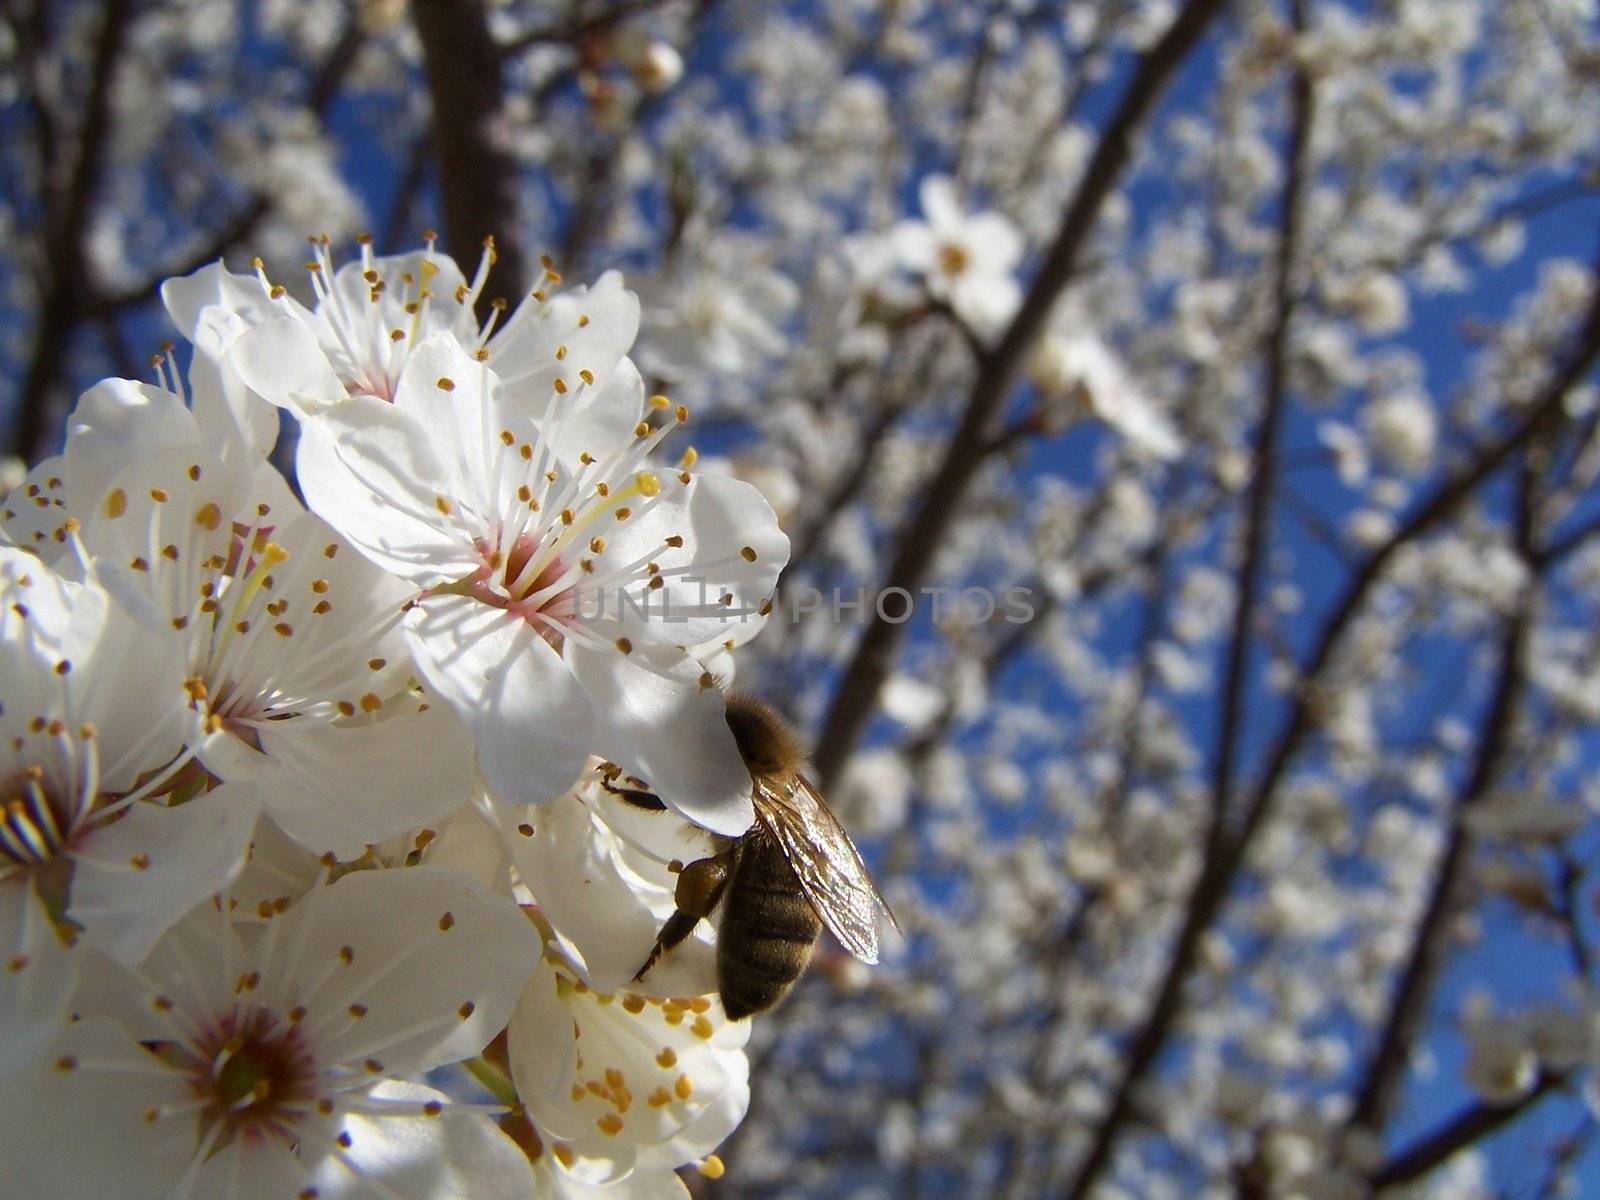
<point x="825" y="861"/>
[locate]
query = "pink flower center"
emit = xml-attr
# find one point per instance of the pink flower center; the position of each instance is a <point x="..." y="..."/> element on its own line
<point x="250" y="1072"/>
<point x="503" y="582"/>
<point x="372" y="381"/>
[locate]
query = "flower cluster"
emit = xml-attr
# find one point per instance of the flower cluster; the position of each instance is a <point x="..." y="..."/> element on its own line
<point x="308" y="880"/>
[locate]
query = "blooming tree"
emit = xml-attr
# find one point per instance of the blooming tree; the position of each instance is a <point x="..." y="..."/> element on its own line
<point x="1149" y="446"/>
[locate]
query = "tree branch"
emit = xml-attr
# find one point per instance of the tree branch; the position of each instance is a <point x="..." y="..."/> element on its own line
<point x="1216" y="874"/>
<point x="1220" y="869"/>
<point x="857" y="693"/>
<point x="64" y="262"/>
<point x="477" y="175"/>
<point x="1264" y="479"/>
<point x="1376" y="1093"/>
<point x="1467" y="1127"/>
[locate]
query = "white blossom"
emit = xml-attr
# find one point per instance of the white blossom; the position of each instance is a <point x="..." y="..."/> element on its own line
<point x="1079" y="370"/>
<point x="220" y="1068"/>
<point x="964" y="260"/>
<point x="556" y="574"/>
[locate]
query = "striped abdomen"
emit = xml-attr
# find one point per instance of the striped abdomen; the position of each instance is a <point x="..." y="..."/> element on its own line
<point x="767" y="930"/>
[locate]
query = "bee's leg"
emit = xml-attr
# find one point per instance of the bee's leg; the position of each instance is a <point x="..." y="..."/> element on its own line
<point x="700" y="886"/>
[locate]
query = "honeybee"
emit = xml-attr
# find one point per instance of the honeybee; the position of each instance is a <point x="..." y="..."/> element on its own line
<point x="778" y="883"/>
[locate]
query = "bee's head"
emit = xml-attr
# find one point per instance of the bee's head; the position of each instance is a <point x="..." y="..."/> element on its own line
<point x="766" y="742"/>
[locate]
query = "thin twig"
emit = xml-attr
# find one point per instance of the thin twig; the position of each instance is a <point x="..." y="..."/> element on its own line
<point x="1466" y="1128"/>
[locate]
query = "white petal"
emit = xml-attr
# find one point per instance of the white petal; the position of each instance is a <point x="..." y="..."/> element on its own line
<point x="447" y="310"/>
<point x="34" y="514"/>
<point x="986" y="302"/>
<point x="118" y="422"/>
<point x="663" y="726"/>
<point x="281" y="361"/>
<point x="916" y="248"/>
<point x="530" y="719"/>
<point x="135" y="878"/>
<point x="232" y="419"/>
<point x="132" y="693"/>
<point x="49" y="1147"/>
<point x="37" y="973"/>
<point x="45" y="620"/>
<point x="608" y="911"/>
<point x="436" y="961"/>
<point x="277" y="872"/>
<point x="717" y="583"/>
<point x="340" y="787"/>
<point x="994" y="242"/>
<point x="676" y="1060"/>
<point x="940" y="203"/>
<point x="646" y="1183"/>
<point x="595" y="421"/>
<point x="448" y="395"/>
<point x="376" y="476"/>
<point x="524" y="350"/>
<point x="543" y="1053"/>
<point x="452" y="1156"/>
<point x="186" y="298"/>
<point x="471" y="842"/>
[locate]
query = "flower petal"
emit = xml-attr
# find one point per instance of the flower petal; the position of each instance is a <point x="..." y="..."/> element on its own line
<point x="607" y="903"/>
<point x="940" y="204"/>
<point x="433" y="961"/>
<point x="657" y="721"/>
<point x="650" y="1071"/>
<point x="95" y="1066"/>
<point x="591" y="327"/>
<point x="340" y="787"/>
<point x="280" y="360"/>
<point x="187" y="297"/>
<point x="456" y="1155"/>
<point x="532" y="722"/>
<point x="136" y="877"/>
<point x="37" y="973"/>
<point x="916" y="247"/>
<point x="377" y="477"/>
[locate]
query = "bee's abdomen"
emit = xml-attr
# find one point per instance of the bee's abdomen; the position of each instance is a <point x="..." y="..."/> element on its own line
<point x="767" y="930"/>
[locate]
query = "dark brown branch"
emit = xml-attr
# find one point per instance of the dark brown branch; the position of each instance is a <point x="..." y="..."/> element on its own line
<point x="858" y="689"/>
<point x="1220" y="869"/>
<point x="1376" y="1093"/>
<point x="1561" y="547"/>
<point x="1263" y="480"/>
<point x="65" y="229"/>
<point x="1466" y="1128"/>
<point x="477" y="175"/>
<point x="30" y="35"/>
